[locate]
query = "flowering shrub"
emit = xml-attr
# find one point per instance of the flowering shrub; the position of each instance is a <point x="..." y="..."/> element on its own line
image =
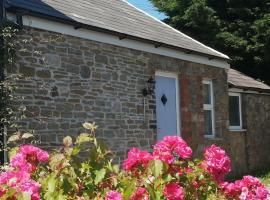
<point x="28" y="158"/>
<point x="136" y="159"/>
<point x="83" y="170"/>
<point x="170" y="146"/>
<point x="173" y="191"/>
<point x="217" y="162"/>
<point x="247" y="188"/>
<point x="113" y="195"/>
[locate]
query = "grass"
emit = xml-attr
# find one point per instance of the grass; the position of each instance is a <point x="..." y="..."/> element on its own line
<point x="265" y="178"/>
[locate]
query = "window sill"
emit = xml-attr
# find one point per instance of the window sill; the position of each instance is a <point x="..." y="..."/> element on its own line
<point x="213" y="138"/>
<point x="237" y="130"/>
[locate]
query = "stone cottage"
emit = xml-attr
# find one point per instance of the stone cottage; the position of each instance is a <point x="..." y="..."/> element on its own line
<point x="136" y="77"/>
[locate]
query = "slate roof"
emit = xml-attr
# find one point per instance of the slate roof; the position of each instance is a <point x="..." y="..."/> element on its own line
<point x="238" y="80"/>
<point x="116" y="16"/>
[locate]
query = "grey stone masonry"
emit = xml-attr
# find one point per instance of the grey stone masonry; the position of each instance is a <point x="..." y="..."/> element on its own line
<point x="256" y="120"/>
<point x="74" y="80"/>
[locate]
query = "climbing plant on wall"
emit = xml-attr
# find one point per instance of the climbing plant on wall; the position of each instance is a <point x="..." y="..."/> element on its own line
<point x="12" y="108"/>
<point x="8" y="112"/>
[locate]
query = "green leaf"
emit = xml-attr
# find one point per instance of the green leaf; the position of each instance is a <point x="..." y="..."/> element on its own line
<point x="100" y="174"/>
<point x="14" y="138"/>
<point x="116" y="169"/>
<point x="129" y="190"/>
<point x="12" y="152"/>
<point x="27" y="135"/>
<point x="84" y="137"/>
<point x="158" y="195"/>
<point x="24" y="196"/>
<point x="156" y="167"/>
<point x="90" y="126"/>
<point x="201" y="177"/>
<point x="57" y="160"/>
<point x="75" y="151"/>
<point x="51" y="183"/>
<point x="168" y="178"/>
<point x="151" y="193"/>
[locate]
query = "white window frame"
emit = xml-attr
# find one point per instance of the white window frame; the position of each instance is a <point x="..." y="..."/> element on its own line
<point x="210" y="107"/>
<point x="240" y="111"/>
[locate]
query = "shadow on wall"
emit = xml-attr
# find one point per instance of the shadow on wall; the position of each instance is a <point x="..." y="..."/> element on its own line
<point x="38" y="7"/>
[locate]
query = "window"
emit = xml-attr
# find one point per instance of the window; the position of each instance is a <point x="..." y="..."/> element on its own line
<point x="235" y="111"/>
<point x="208" y="98"/>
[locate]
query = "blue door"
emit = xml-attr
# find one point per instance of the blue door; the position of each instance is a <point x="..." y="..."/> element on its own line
<point x="166" y="106"/>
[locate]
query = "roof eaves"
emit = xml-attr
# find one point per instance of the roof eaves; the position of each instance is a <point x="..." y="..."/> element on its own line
<point x="119" y="34"/>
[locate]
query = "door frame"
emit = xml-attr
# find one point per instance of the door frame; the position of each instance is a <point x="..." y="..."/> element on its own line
<point x="177" y="93"/>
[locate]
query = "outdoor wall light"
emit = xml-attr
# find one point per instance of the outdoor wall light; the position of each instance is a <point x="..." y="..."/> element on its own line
<point x="150" y="87"/>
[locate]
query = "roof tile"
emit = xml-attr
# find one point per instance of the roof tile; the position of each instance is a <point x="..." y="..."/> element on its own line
<point x="239" y="80"/>
<point x="118" y="16"/>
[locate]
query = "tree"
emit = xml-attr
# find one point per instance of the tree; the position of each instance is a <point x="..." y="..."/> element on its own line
<point x="238" y="28"/>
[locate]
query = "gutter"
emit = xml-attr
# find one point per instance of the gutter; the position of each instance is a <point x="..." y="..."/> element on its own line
<point x="121" y="36"/>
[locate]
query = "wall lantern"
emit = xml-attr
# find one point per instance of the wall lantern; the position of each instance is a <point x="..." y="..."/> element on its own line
<point x="149" y="90"/>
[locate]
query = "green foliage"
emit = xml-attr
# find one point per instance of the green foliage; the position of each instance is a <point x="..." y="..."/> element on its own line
<point x="265" y="178"/>
<point x="7" y="54"/>
<point x="80" y="169"/>
<point x="240" y="29"/>
<point x="12" y="109"/>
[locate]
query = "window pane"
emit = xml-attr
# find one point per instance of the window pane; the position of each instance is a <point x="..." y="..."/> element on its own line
<point x="234" y="111"/>
<point x="208" y="122"/>
<point x="207" y="93"/>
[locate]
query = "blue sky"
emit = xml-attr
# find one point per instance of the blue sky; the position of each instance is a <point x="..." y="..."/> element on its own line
<point x="147" y="7"/>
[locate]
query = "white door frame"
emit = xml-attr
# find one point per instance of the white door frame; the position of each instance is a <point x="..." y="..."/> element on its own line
<point x="177" y="100"/>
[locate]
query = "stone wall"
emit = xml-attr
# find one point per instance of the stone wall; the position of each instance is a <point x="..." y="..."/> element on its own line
<point x="75" y="80"/>
<point x="256" y="119"/>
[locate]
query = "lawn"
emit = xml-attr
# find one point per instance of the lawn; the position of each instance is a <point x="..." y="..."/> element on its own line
<point x="265" y="178"/>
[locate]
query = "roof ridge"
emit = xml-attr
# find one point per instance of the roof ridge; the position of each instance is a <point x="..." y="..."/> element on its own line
<point x="221" y="54"/>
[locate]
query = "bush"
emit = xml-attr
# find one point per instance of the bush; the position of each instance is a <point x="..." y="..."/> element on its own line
<point x="83" y="170"/>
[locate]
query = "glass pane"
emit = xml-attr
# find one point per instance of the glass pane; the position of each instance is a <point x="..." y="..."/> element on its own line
<point x="208" y="129"/>
<point x="234" y="111"/>
<point x="207" y="93"/>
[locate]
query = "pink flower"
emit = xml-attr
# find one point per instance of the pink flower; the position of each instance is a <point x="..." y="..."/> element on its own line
<point x="170" y="146"/>
<point x="32" y="188"/>
<point x="28" y="158"/>
<point x="113" y="195"/>
<point x="262" y="192"/>
<point x="136" y="158"/>
<point x="195" y="184"/>
<point x="256" y="190"/>
<point x="19" y="161"/>
<point x="249" y="188"/>
<point x="189" y="170"/>
<point x="2" y="192"/>
<point x="173" y="191"/>
<point x="21" y="182"/>
<point x="140" y="194"/>
<point x="39" y="154"/>
<point x="217" y="162"/>
<point x="12" y="178"/>
<point x="230" y="190"/>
